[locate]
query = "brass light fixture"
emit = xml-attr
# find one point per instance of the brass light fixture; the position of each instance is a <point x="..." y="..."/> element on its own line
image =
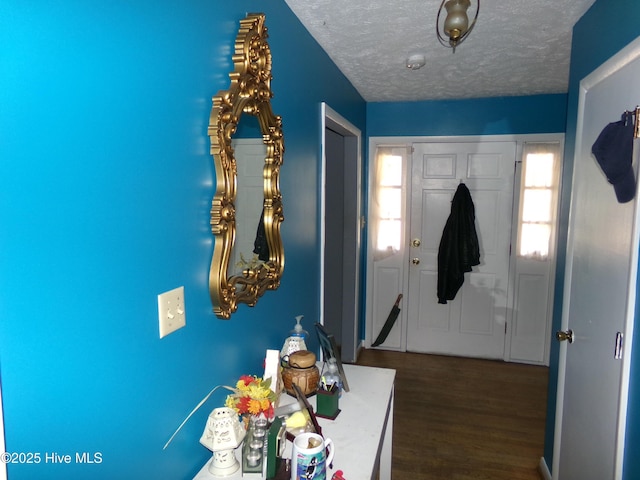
<point x="456" y="26"/>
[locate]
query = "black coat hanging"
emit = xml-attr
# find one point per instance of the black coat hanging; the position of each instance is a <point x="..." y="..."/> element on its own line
<point x="459" y="248"/>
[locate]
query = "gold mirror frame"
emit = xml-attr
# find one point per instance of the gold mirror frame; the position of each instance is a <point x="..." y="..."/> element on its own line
<point x="249" y="93"/>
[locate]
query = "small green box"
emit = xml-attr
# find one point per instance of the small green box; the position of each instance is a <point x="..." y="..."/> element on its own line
<point x="276" y="441"/>
<point x="327" y="403"/>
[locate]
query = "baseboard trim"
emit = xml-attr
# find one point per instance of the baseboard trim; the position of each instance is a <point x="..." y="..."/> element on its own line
<point x="545" y="474"/>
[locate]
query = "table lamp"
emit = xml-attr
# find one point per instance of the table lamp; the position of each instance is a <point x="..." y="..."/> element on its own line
<point x="223" y="433"/>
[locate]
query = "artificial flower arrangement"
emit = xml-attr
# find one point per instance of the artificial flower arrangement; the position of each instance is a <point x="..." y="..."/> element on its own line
<point x="252" y="396"/>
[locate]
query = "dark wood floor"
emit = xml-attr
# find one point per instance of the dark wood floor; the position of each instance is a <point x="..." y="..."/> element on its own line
<point x="464" y="419"/>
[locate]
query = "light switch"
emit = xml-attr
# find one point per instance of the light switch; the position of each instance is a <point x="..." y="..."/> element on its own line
<point x="171" y="311"/>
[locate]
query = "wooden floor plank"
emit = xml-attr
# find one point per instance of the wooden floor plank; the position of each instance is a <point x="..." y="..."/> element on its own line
<point x="464" y="419"/>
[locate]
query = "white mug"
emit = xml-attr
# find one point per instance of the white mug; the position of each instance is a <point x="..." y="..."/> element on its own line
<point x="309" y="457"/>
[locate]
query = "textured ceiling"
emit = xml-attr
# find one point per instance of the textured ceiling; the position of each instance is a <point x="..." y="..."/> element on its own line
<point x="518" y="47"/>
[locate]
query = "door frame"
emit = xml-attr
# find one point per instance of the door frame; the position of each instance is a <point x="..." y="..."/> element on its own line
<point x="623" y="58"/>
<point x="407" y="141"/>
<point x="329" y="118"/>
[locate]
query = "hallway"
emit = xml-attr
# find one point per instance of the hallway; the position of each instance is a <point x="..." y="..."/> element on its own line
<point x="465" y="419"/>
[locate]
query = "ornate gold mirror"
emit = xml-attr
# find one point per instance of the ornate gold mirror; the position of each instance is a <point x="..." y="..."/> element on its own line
<point x="242" y="268"/>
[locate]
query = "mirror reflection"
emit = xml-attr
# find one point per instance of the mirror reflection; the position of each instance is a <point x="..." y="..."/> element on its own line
<point x="251" y="247"/>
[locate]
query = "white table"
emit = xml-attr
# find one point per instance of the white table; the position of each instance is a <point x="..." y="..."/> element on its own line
<point x="362" y="432"/>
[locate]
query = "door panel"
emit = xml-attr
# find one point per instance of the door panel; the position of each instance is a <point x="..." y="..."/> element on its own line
<point x="473" y="324"/>
<point x="478" y="310"/>
<point x="529" y="332"/>
<point x="387" y="285"/>
<point x="435" y="207"/>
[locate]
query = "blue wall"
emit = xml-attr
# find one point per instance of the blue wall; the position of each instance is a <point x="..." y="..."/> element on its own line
<point x="107" y="184"/>
<point x="479" y="116"/>
<point x="593" y="44"/>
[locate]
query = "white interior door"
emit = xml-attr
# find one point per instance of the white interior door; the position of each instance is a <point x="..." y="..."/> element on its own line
<point x="599" y="290"/>
<point x="473" y="324"/>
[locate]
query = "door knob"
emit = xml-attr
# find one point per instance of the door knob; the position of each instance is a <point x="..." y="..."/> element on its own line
<point x="562" y="336"/>
<point x="416" y="261"/>
<point x="415" y="242"/>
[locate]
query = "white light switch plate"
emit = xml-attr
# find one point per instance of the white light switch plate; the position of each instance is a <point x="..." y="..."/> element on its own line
<point x="171" y="311"/>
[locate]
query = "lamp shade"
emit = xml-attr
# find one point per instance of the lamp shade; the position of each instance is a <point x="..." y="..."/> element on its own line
<point x="222" y="435"/>
<point x="457" y="25"/>
<point x="457" y="21"/>
<point x="223" y="431"/>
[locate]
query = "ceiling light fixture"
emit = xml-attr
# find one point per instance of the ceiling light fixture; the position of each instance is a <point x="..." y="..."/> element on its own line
<point x="456" y="26"/>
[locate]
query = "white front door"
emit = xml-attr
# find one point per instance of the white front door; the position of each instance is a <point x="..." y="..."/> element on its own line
<point x="600" y="286"/>
<point x="473" y="324"/>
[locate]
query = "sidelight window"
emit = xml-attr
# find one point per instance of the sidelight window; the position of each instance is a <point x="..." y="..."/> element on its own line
<point x="387" y="201"/>
<point x="538" y="199"/>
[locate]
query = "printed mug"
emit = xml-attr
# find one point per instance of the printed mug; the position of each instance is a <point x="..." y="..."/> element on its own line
<point x="309" y="458"/>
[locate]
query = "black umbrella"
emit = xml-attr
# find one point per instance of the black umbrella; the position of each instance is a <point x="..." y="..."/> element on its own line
<point x="388" y="325"/>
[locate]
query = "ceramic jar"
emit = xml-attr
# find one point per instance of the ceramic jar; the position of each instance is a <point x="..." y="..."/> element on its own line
<point x="301" y="370"/>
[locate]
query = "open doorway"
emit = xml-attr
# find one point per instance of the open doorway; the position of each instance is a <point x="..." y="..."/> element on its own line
<point x="340" y="231"/>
